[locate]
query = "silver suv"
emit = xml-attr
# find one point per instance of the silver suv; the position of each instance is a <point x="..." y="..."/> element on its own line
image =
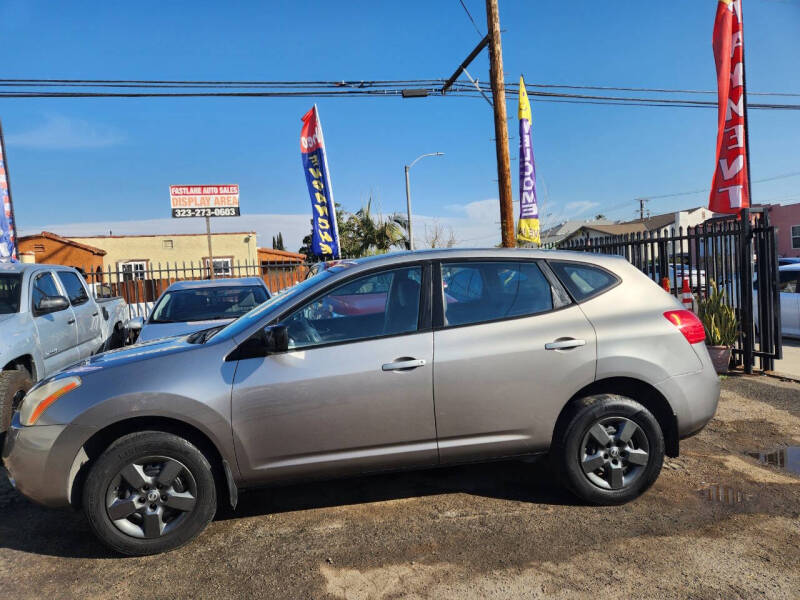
<point x="406" y="360"/>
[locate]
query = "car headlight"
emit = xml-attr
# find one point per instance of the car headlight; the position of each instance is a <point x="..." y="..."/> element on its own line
<point x="38" y="399"/>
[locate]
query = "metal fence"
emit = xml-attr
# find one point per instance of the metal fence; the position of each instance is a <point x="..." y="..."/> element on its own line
<point x="141" y="288"/>
<point x="739" y="254"/>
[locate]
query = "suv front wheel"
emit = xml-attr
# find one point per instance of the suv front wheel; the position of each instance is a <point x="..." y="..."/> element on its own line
<point x="149" y="492"/>
<point x="609" y="451"/>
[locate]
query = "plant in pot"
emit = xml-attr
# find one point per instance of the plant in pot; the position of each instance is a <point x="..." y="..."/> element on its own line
<point x="721" y="325"/>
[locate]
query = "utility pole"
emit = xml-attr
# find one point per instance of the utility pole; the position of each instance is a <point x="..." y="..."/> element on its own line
<point x="642" y="202"/>
<point x="210" y="255"/>
<point x="408" y="194"/>
<point x="500" y="124"/>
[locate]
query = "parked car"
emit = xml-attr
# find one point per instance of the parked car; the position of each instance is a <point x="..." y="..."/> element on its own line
<point x="789" y="288"/>
<point x="189" y="306"/>
<point x="48" y="320"/>
<point x="573" y="354"/>
<point x="788" y="261"/>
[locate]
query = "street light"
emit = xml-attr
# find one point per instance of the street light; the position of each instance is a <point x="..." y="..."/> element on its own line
<point x="408" y="194"/>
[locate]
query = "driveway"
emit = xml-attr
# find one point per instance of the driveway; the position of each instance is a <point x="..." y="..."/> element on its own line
<point x="718" y="523"/>
<point x="790" y="364"/>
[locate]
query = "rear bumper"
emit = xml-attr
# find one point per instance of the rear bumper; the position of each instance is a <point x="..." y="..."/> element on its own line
<point x="693" y="397"/>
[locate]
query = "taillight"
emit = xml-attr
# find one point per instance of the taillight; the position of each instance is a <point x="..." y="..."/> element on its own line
<point x="689" y="325"/>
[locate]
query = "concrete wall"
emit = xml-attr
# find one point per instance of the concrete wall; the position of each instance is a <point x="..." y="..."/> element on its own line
<point x="784" y="217"/>
<point x="176" y="248"/>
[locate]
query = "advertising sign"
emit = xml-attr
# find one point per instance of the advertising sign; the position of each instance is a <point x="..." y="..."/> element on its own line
<point x="730" y="191"/>
<point x="324" y="234"/>
<point x="204" y="200"/>
<point x="528" y="229"/>
<point x="8" y="246"/>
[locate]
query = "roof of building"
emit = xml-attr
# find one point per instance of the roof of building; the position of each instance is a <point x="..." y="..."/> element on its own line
<point x="657" y="221"/>
<point x="167" y="235"/>
<point x="270" y="254"/>
<point x="562" y="230"/>
<point x="57" y="238"/>
<point x="614" y="228"/>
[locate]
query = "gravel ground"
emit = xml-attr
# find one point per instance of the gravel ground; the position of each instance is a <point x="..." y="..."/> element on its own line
<point x="717" y="524"/>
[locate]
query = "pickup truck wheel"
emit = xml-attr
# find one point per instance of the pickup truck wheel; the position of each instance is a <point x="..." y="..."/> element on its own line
<point x="13" y="386"/>
<point x="610" y="451"/>
<point x="149" y="492"/>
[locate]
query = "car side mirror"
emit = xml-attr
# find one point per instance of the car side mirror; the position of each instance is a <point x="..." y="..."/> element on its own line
<point x="276" y="338"/>
<point x="135" y="324"/>
<point x="51" y="304"/>
<point x="269" y="340"/>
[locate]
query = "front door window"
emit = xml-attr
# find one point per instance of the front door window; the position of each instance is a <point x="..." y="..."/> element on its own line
<point x="376" y="305"/>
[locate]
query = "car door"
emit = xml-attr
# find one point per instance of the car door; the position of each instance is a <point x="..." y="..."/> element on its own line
<point x="87" y="314"/>
<point x="789" y="288"/>
<point x="510" y="350"/>
<point x="354" y="391"/>
<point x="58" y="337"/>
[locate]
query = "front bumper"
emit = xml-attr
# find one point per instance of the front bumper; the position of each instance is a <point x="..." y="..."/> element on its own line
<point x="38" y="461"/>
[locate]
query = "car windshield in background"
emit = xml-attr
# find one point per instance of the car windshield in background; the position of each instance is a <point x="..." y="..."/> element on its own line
<point x="207" y="304"/>
<point x="254" y="316"/>
<point x="9" y="294"/>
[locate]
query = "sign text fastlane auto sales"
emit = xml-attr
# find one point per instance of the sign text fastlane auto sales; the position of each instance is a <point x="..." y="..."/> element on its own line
<point x="204" y="200"/>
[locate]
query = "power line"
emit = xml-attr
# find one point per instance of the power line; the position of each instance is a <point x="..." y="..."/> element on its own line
<point x="466" y="10"/>
<point x="111" y="88"/>
<point x="512" y="86"/>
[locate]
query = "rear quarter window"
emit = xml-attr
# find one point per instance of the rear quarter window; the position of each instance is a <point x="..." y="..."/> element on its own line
<point x="582" y="280"/>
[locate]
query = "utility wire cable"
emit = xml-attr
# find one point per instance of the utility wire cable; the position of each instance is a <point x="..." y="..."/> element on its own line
<point x="474" y="24"/>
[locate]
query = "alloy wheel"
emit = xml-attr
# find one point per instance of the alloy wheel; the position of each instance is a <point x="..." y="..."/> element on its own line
<point x="151" y="497"/>
<point x="614" y="453"/>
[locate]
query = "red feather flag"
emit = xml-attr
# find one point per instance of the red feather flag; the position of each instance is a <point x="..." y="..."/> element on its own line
<point x="730" y="190"/>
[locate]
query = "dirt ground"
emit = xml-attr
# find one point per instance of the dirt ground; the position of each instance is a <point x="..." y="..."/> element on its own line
<point x="717" y="524"/>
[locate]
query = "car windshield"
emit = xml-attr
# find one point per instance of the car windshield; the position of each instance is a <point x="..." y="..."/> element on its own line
<point x="255" y="315"/>
<point x="207" y="304"/>
<point x="9" y="294"/>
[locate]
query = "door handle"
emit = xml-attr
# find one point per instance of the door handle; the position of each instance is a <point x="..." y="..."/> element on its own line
<point x="401" y="365"/>
<point x="564" y="344"/>
<point x="70" y="322"/>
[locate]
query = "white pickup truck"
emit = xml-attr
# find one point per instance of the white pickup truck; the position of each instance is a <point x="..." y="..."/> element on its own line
<point x="48" y="320"/>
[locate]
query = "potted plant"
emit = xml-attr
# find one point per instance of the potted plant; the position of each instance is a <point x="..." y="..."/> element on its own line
<point x="721" y="325"/>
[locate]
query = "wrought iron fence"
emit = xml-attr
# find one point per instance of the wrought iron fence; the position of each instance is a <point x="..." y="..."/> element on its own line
<point x="141" y="288"/>
<point x="738" y="254"/>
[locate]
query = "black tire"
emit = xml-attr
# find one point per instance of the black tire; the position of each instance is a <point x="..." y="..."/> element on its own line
<point x="13" y="385"/>
<point x="620" y="475"/>
<point x="149" y="453"/>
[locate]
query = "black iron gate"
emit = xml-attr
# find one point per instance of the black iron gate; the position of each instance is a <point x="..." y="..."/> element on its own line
<point x="739" y="254"/>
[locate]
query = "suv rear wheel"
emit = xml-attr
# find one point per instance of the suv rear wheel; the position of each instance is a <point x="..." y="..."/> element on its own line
<point x="149" y="492"/>
<point x="610" y="450"/>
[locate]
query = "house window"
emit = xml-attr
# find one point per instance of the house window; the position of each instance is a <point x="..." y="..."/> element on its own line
<point x="38" y="247"/>
<point x="796" y="237"/>
<point x="166" y="244"/>
<point x="222" y="266"/>
<point x="133" y="269"/>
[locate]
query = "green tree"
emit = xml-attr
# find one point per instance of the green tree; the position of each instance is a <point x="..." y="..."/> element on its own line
<point x="277" y="242"/>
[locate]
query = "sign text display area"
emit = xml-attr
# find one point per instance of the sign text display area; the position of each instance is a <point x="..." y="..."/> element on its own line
<point x="204" y="200"/>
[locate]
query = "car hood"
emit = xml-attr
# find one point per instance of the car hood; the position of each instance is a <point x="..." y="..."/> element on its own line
<point x="115" y="358"/>
<point x="155" y="331"/>
<point x="7" y="317"/>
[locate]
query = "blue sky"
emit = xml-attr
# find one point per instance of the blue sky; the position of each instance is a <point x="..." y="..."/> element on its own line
<point x="105" y="162"/>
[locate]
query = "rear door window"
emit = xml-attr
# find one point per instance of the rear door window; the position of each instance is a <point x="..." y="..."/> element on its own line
<point x="582" y="280"/>
<point x="487" y="291"/>
<point x="76" y="292"/>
